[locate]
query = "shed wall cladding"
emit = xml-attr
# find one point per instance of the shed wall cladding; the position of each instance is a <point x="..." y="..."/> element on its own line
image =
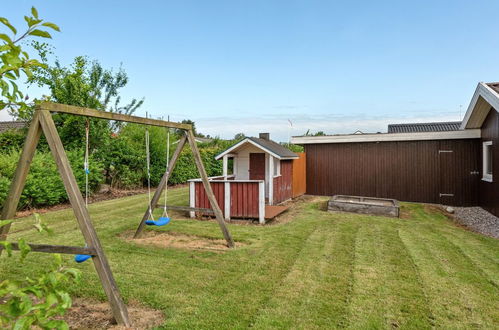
<point x="417" y="171"/>
<point x="489" y="191"/>
<point x="283" y="183"/>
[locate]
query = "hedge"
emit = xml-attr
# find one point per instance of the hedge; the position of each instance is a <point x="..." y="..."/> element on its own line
<point x="44" y="186"/>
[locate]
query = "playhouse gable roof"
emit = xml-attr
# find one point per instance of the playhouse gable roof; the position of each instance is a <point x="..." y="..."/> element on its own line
<point x="275" y="149"/>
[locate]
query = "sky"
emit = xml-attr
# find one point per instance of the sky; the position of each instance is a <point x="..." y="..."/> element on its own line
<point x="255" y="66"/>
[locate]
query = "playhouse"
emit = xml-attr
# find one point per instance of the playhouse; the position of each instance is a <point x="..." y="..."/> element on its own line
<point x="258" y="175"/>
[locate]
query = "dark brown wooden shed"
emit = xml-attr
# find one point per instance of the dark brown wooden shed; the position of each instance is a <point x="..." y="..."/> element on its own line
<point x="446" y="163"/>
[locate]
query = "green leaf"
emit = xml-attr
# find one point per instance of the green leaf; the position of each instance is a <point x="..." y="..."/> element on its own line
<point x="5" y="38"/>
<point x="34" y="12"/>
<point x="52" y="26"/>
<point x="6" y="22"/>
<point x="5" y="222"/>
<point x="57" y="324"/>
<point x="23" y="323"/>
<point x="40" y="33"/>
<point x="75" y="273"/>
<point x="7" y="246"/>
<point x="24" y="248"/>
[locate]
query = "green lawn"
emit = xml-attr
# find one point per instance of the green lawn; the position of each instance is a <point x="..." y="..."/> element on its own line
<point x="319" y="270"/>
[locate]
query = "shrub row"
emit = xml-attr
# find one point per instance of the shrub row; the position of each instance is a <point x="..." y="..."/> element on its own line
<point x="44" y="186"/>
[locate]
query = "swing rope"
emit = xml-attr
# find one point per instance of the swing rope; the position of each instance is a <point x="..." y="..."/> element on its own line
<point x="79" y="258"/>
<point x="85" y="161"/>
<point x="165" y="212"/>
<point x="164" y="219"/>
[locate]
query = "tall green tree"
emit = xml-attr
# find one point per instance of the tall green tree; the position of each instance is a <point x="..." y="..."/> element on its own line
<point x="84" y="83"/>
<point x="16" y="63"/>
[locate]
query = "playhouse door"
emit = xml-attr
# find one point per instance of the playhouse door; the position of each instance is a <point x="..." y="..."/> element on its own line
<point x="257" y="166"/>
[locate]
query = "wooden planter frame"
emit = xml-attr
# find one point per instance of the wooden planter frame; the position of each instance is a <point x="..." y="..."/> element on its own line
<point x="42" y="122"/>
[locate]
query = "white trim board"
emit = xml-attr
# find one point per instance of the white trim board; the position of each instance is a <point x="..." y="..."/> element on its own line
<point x="387" y="137"/>
<point x="477" y="110"/>
<point x="248" y="140"/>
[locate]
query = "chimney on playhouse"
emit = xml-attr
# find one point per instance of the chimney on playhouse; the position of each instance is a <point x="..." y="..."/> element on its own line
<point x="264" y="136"/>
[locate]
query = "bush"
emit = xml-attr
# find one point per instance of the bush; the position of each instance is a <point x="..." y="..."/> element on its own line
<point x="44" y="186"/>
<point x="11" y="140"/>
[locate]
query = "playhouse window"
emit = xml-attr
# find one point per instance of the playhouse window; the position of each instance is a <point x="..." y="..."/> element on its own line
<point x="487" y="161"/>
<point x="277" y="167"/>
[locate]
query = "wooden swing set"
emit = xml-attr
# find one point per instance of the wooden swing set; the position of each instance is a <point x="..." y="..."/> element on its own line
<point x="42" y="122"/>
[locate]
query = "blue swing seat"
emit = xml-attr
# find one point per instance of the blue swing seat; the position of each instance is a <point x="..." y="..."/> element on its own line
<point x="160" y="222"/>
<point x="79" y="258"/>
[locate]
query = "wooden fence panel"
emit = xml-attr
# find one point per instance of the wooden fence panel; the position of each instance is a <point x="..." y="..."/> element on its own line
<point x="244" y="198"/>
<point x="202" y="199"/>
<point x="299" y="171"/>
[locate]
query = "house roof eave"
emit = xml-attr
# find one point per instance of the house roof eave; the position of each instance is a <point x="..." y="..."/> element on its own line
<point x="477" y="111"/>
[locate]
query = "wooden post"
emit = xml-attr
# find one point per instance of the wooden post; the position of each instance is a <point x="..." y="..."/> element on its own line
<point x="261" y="202"/>
<point x="225" y="165"/>
<point x="192" y="198"/>
<point x="83" y="218"/>
<point x="161" y="186"/>
<point x="208" y="189"/>
<point x="271" y="180"/>
<point x="19" y="179"/>
<point x="227" y="199"/>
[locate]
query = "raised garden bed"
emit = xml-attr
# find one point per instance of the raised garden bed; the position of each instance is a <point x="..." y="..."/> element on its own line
<point x="365" y="205"/>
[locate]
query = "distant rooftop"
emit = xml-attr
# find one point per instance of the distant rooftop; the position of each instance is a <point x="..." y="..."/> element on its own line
<point x="11" y="125"/>
<point x="425" y="127"/>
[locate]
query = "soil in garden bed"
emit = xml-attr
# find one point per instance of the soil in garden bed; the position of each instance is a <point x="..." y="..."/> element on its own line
<point x="92" y="314"/>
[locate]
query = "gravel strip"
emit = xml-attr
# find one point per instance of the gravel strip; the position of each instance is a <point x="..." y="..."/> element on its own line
<point x="478" y="220"/>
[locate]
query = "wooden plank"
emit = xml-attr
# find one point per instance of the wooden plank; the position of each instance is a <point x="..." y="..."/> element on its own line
<point x="192" y="197"/>
<point x="101" y="264"/>
<point x="261" y="202"/>
<point x="161" y="186"/>
<point x="57" y="249"/>
<point x="186" y="208"/>
<point x="19" y="179"/>
<point x="271" y="180"/>
<point x="227" y="200"/>
<point x="87" y="112"/>
<point x="207" y="188"/>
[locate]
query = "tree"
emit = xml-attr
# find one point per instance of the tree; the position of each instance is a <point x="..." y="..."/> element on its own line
<point x="239" y="136"/>
<point x="16" y="62"/>
<point x="84" y="83"/>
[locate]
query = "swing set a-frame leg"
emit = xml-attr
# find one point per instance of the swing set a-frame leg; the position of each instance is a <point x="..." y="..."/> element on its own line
<point x="189" y="136"/>
<point x="19" y="179"/>
<point x="207" y="187"/>
<point x="42" y="121"/>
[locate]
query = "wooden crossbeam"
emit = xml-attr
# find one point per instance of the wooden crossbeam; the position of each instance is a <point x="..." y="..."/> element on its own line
<point x="80" y="111"/>
<point x="186" y="208"/>
<point x="57" y="249"/>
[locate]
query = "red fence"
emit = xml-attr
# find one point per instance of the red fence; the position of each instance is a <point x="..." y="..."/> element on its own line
<point x="244" y="199"/>
<point x="201" y="200"/>
<point x="236" y="198"/>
